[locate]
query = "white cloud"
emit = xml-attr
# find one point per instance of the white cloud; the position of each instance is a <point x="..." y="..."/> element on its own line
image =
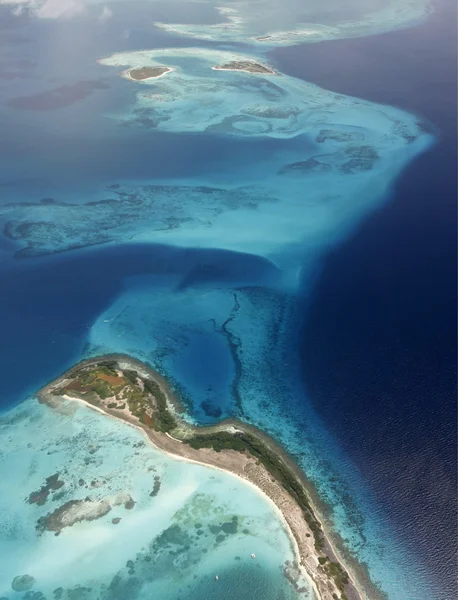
<point x="17" y="12"/>
<point x="54" y="9"/>
<point x="106" y="14"/>
<point x="47" y="9"/>
<point x="15" y="2"/>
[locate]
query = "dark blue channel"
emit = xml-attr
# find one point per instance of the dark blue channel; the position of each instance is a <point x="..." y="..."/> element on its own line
<point x="379" y="342"/>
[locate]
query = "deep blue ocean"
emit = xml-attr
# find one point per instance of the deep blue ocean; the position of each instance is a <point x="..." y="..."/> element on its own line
<point x="378" y="337"/>
<point x="379" y="342"/>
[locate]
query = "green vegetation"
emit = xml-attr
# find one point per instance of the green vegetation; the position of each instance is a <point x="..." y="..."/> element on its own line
<point x="164" y="421"/>
<point x="136" y="399"/>
<point x="221" y="440"/>
<point x="335" y="571"/>
<point x="102" y="389"/>
<point x="145" y="397"/>
<point x="84" y="377"/>
<point x="131" y="376"/>
<point x="110" y="365"/>
<point x="147" y="401"/>
<point x="274" y="464"/>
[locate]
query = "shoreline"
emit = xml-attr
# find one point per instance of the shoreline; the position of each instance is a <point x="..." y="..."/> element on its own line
<point x="126" y="75"/>
<point x="292" y="539"/>
<point x="237" y="464"/>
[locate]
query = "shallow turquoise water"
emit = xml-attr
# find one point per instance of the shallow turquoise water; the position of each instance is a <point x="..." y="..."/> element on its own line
<point x="201" y="523"/>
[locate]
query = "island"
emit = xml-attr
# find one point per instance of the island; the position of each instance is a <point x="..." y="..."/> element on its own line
<point x="142" y="73"/>
<point x="247" y="66"/>
<point x="126" y="389"/>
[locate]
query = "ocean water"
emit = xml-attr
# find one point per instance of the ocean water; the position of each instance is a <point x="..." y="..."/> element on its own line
<point x="379" y="343"/>
<point x="198" y="222"/>
<point x="199" y="523"/>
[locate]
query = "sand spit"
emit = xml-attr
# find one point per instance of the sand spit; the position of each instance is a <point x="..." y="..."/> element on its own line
<point x="312" y="562"/>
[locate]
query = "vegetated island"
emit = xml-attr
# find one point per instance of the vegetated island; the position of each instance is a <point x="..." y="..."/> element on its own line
<point x="125" y="388"/>
<point x="142" y="73"/>
<point x="247" y="66"/>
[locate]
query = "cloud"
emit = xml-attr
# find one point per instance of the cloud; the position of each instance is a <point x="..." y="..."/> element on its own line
<point x="106" y="14"/>
<point x="17" y="12"/>
<point x="47" y="9"/>
<point x="54" y="9"/>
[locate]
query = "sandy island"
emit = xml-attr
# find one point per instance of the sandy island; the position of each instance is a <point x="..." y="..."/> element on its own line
<point x="144" y="73"/>
<point x="126" y="389"/>
<point x="246" y="66"/>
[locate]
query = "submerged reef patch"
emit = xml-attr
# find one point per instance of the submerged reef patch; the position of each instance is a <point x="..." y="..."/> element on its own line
<point x="154" y="208"/>
<point x="22" y="583"/>
<point x="334" y="159"/>
<point x="52" y="484"/>
<point x="73" y="512"/>
<point x="124" y="552"/>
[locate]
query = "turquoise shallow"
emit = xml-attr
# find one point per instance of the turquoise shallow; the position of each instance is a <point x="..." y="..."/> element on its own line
<point x="184" y="525"/>
<point x="183" y="220"/>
